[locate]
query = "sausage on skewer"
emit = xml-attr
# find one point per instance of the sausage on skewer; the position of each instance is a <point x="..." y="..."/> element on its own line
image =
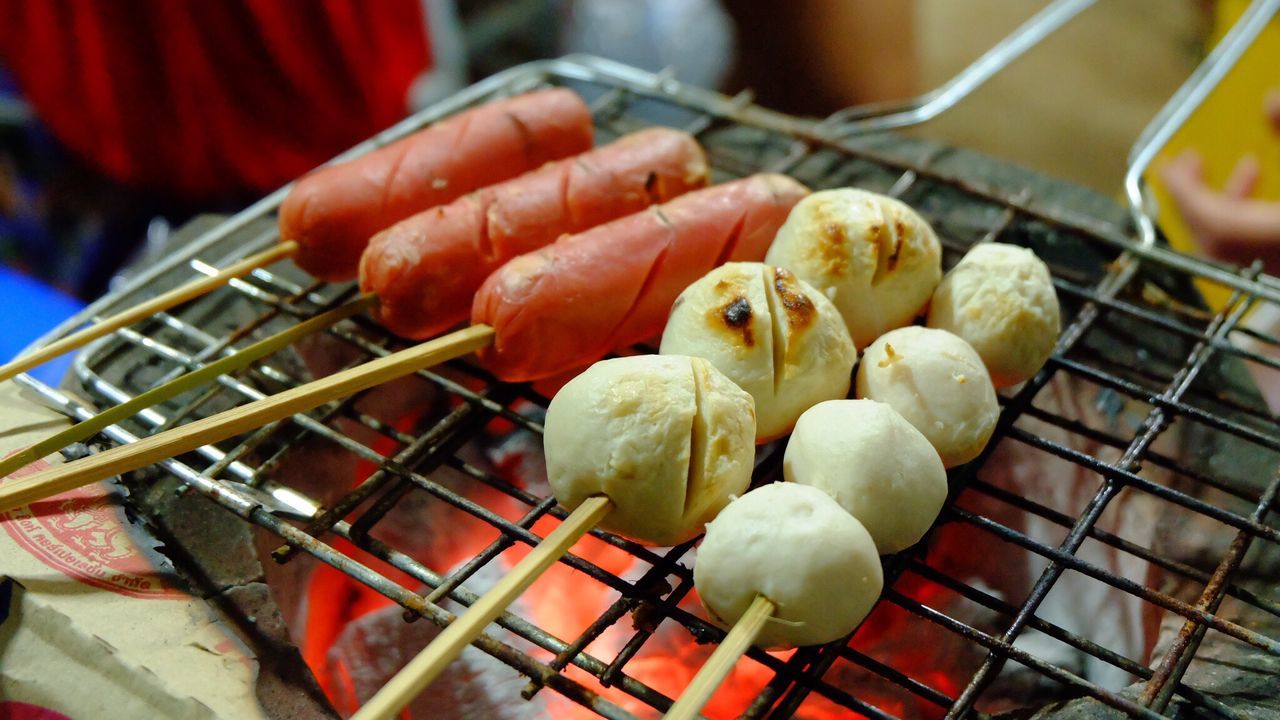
<point x="612" y="286"/>
<point x="426" y="268"/>
<point x="332" y="212"/>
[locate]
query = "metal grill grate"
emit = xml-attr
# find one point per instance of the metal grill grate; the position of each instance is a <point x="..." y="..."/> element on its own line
<point x="1142" y="364"/>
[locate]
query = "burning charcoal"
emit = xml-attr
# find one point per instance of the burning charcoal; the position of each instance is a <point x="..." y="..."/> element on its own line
<point x="375" y="646"/>
<point x="517" y="455"/>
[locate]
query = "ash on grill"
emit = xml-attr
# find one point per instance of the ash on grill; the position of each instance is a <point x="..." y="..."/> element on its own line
<point x="1113" y="547"/>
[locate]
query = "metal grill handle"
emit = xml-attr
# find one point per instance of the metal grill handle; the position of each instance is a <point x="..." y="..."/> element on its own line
<point x="1183" y="103"/>
<point x="873" y="117"/>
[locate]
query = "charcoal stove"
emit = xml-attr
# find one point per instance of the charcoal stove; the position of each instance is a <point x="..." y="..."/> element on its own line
<point x="1113" y="552"/>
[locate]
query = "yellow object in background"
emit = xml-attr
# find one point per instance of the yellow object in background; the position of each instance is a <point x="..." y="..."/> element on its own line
<point x="1229" y="125"/>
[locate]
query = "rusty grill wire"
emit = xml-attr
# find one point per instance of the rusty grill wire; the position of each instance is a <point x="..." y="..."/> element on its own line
<point x="1113" y="293"/>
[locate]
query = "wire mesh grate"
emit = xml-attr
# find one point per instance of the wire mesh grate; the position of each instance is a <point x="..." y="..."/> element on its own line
<point x="1147" y="416"/>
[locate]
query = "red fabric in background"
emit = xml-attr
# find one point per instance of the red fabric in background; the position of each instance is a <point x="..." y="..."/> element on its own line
<point x="204" y="99"/>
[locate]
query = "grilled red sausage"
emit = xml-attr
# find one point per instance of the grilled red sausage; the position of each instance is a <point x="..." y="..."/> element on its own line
<point x="333" y="211"/>
<point x="612" y="286"/>
<point x="425" y="269"/>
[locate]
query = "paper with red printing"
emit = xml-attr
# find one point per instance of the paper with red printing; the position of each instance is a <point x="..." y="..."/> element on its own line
<point x="83" y="534"/>
<point x="78" y="616"/>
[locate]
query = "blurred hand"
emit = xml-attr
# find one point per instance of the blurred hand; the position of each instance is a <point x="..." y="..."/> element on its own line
<point x="1229" y="224"/>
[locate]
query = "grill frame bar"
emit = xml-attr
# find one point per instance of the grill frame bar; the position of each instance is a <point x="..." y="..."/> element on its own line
<point x="794" y="679"/>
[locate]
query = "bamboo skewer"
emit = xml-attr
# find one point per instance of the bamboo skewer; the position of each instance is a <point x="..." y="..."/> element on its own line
<point x="160" y="303"/>
<point x="183" y="383"/>
<point x="413" y="678"/>
<point x="717" y="667"/>
<point x="146" y="451"/>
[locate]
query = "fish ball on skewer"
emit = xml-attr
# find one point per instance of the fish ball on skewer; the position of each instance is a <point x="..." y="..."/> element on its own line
<point x="797" y="547"/>
<point x="669" y="439"/>
<point x="773" y="335"/>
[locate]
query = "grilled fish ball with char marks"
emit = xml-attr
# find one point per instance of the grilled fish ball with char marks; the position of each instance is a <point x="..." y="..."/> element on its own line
<point x="874" y="463"/>
<point x="794" y="545"/>
<point x="776" y="337"/>
<point x="938" y="383"/>
<point x="871" y="255"/>
<point x="667" y="438"/>
<point x="999" y="298"/>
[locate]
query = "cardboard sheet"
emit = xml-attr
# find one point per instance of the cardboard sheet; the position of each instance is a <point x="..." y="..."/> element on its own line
<point x="93" y="622"/>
